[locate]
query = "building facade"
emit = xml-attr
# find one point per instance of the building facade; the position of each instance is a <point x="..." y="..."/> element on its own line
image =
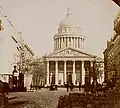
<point x="112" y="52"/>
<point x="14" y="52"/>
<point x="68" y="62"/>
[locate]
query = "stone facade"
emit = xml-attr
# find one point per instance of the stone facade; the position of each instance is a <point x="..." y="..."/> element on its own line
<point x="68" y="62"/>
<point x="112" y="52"/>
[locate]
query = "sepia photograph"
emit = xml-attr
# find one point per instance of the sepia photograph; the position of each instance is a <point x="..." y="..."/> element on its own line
<point x="59" y="53"/>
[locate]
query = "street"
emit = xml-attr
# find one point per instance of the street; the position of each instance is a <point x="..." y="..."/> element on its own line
<point x="38" y="99"/>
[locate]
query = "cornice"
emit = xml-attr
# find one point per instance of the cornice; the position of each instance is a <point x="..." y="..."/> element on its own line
<point x="70" y="35"/>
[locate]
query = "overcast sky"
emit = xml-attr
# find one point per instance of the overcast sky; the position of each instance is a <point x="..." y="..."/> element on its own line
<point x="39" y="20"/>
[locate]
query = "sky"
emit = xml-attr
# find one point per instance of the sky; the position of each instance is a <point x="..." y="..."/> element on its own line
<point x="38" y="20"/>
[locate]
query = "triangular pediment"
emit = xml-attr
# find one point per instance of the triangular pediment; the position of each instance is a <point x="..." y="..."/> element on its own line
<point x="69" y="52"/>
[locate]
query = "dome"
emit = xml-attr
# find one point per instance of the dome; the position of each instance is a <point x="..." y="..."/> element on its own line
<point x="69" y="21"/>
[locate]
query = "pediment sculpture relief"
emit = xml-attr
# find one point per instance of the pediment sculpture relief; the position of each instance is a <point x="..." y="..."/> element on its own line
<point x="69" y="53"/>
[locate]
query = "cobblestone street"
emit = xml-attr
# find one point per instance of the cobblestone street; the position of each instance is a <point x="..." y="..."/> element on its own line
<point x="38" y="99"/>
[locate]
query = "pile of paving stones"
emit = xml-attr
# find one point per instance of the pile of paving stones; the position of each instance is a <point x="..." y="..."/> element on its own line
<point x="34" y="100"/>
<point x="90" y="100"/>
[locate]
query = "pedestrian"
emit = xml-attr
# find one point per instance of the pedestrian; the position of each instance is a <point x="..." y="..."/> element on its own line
<point x="71" y="86"/>
<point x="67" y="86"/>
<point x="79" y="86"/>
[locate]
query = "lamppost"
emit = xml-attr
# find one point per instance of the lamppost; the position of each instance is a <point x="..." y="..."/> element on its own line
<point x="87" y="79"/>
<point x="94" y="75"/>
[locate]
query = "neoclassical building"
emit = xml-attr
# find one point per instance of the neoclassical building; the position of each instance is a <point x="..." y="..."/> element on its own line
<point x="68" y="62"/>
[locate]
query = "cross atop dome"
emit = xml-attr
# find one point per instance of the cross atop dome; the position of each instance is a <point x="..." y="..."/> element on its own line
<point x="69" y="12"/>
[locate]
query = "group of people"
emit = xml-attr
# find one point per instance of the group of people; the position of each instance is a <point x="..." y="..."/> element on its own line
<point x="88" y="88"/>
<point x="35" y="87"/>
<point x="70" y="86"/>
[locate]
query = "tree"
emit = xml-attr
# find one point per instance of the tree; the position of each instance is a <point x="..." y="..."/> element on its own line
<point x="38" y="70"/>
<point x="97" y="70"/>
<point x="38" y="67"/>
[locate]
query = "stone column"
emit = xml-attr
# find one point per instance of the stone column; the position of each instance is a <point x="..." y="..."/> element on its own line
<point x="81" y="43"/>
<point x="64" y="42"/>
<point x="51" y="75"/>
<point x="67" y="41"/>
<point x="65" y="71"/>
<point x="74" y="74"/>
<point x="56" y="72"/>
<point x="54" y="45"/>
<point x="59" y="42"/>
<point x="74" y="42"/>
<point x="70" y="41"/>
<point x="91" y="63"/>
<point x="48" y="73"/>
<point x="83" y="73"/>
<point x="77" y="42"/>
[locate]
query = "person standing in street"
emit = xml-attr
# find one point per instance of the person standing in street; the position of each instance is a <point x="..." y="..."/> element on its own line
<point x="79" y="86"/>
<point x="71" y="86"/>
<point x="67" y="86"/>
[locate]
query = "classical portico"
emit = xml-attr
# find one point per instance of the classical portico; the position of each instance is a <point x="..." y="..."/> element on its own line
<point x="68" y="62"/>
<point x="67" y="65"/>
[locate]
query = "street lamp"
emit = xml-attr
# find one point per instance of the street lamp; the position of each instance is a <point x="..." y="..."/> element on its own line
<point x="94" y="75"/>
<point x="94" y="70"/>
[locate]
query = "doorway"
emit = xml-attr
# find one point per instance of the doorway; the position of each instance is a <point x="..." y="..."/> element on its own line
<point x="69" y="78"/>
<point x="53" y="79"/>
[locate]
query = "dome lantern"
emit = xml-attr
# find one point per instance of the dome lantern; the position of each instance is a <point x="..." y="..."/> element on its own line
<point x="69" y="11"/>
